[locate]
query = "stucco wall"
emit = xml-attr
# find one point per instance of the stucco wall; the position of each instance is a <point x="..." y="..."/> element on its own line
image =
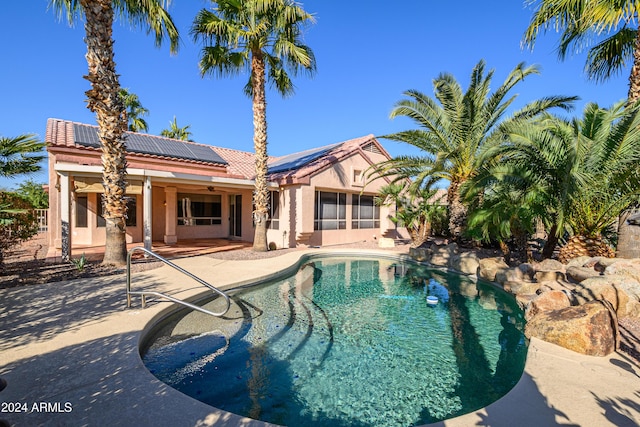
<point x="347" y="176"/>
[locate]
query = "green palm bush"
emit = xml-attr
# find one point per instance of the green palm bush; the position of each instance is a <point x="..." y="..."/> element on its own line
<point x="455" y="127"/>
<point x="576" y="175"/>
<point x="416" y="209"/>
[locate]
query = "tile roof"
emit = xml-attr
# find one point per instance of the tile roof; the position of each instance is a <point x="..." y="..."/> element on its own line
<point x="71" y="134"/>
<point x="308" y="162"/>
<point x="238" y="163"/>
<point x="141" y="143"/>
<point x="297" y="160"/>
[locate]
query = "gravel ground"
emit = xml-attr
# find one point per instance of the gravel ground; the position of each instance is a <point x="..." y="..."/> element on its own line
<point x="25" y="266"/>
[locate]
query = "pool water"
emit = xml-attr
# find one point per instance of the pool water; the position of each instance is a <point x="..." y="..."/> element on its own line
<point x="347" y="342"/>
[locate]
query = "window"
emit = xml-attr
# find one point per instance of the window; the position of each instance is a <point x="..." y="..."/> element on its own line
<point x="365" y="213"/>
<point x="81" y="210"/>
<point x="274" y="211"/>
<point x="199" y="209"/>
<point x="330" y="211"/>
<point x="132" y="213"/>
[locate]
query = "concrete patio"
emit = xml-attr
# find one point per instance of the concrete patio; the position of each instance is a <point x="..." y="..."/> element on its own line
<point x="74" y="347"/>
<point x="183" y="248"/>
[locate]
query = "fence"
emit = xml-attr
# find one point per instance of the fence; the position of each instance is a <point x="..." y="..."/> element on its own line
<point x="43" y="220"/>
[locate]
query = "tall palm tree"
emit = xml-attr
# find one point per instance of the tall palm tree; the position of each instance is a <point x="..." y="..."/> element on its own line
<point x="611" y="24"/>
<point x="177" y="132"/>
<point x="19" y="155"/>
<point x="135" y="111"/>
<point x="578" y="174"/>
<point x="455" y="127"/>
<point x="104" y="99"/>
<point x="263" y="37"/>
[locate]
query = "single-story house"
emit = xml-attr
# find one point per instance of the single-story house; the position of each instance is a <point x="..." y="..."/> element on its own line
<point x="185" y="190"/>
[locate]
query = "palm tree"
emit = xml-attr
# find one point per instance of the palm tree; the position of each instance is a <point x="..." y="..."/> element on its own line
<point x="577" y="175"/>
<point x="263" y="37"/>
<point x="455" y="127"/>
<point x="104" y="99"/>
<point x="611" y="167"/>
<point x="416" y="209"/>
<point x="18" y="155"/>
<point x="176" y="132"/>
<point x="507" y="213"/>
<point x="584" y="21"/>
<point x="135" y="111"/>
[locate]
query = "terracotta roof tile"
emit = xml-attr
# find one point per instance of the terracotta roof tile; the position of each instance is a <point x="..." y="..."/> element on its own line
<point x="238" y="163"/>
<point x="335" y="153"/>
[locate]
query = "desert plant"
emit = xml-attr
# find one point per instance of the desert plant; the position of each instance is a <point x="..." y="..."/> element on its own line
<point x="80" y="263"/>
<point x="18" y="222"/>
<point x="34" y="193"/>
<point x="416" y="209"/>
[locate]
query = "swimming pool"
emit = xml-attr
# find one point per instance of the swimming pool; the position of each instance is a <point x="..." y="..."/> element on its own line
<point x="347" y="342"/>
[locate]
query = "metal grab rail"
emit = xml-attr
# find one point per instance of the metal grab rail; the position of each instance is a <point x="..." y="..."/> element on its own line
<point x="161" y="295"/>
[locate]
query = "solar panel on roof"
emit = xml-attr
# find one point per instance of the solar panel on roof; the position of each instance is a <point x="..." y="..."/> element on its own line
<point x="85" y="135"/>
<point x="148" y="144"/>
<point x="297" y="160"/>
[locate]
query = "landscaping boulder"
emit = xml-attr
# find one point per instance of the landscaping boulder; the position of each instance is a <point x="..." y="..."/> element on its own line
<point x="489" y="267"/>
<point x="442" y="254"/>
<point x="626" y="267"/>
<point x="523" y="300"/>
<point x="522" y="273"/>
<point x="549" y="270"/>
<point x="601" y="263"/>
<point x="556" y="285"/>
<point x="421" y="254"/>
<point x="549" y="264"/>
<point x="621" y="292"/>
<point x="588" y="328"/>
<point x="518" y="288"/>
<point x="547" y="301"/>
<point x="578" y="274"/>
<point x="581" y="261"/>
<point x="466" y="262"/>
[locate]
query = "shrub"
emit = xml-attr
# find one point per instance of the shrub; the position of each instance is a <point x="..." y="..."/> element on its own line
<point x="18" y="222"/>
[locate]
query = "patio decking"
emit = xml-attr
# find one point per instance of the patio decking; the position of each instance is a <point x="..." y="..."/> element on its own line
<point x="74" y="347"/>
<point x="184" y="248"/>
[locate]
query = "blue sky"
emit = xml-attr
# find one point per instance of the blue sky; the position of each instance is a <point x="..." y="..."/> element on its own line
<point x="367" y="52"/>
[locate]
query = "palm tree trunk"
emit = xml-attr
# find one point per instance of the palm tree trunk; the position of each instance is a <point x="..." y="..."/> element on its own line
<point x="578" y="246"/>
<point x="457" y="212"/>
<point x="420" y="233"/>
<point x="261" y="192"/>
<point x="550" y="244"/>
<point x="104" y="100"/>
<point x="634" y="76"/>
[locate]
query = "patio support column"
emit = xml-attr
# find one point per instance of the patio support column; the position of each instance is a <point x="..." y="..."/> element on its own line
<point x="146" y="212"/>
<point x="65" y="217"/>
<point x="171" y="215"/>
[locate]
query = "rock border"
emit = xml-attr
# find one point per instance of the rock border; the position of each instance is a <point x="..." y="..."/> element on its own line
<point x="574" y="305"/>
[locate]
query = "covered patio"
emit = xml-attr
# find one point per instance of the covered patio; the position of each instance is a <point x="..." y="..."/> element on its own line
<point x="183" y="248"/>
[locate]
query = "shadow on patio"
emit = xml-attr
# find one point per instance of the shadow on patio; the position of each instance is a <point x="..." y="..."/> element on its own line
<point x="184" y="248"/>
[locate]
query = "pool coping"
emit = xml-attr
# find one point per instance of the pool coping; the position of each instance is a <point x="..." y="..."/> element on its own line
<point x="85" y="353"/>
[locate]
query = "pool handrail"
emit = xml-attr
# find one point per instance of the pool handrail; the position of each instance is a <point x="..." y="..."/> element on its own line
<point x="143" y="294"/>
